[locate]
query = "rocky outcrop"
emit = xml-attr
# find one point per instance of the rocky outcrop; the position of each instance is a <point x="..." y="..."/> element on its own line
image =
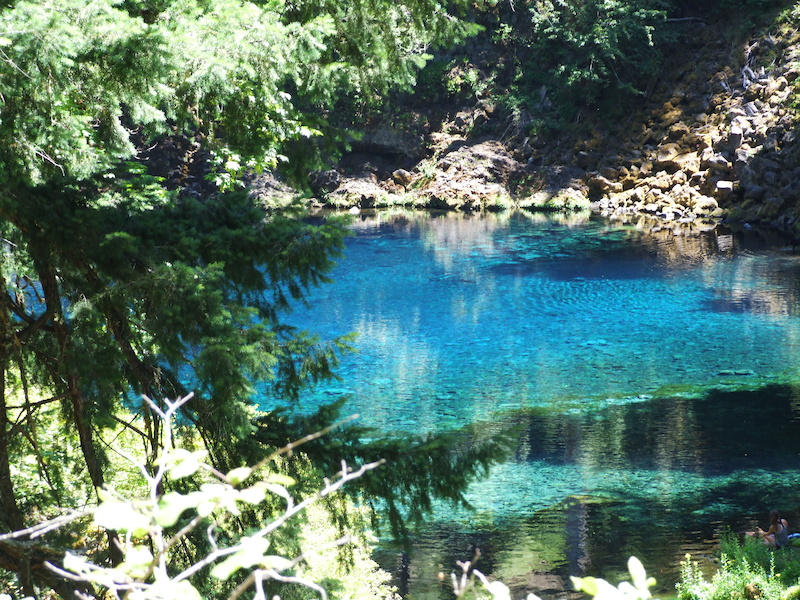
<point x="467" y="176"/>
<point x="715" y="142"/>
<point x="460" y="175"/>
<point x="720" y="147"/>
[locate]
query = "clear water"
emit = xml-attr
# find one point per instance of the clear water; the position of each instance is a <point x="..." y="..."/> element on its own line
<point x="654" y="380"/>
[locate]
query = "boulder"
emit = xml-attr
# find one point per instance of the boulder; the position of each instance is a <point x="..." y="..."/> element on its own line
<point x="751" y="109"/>
<point x="324" y="182"/>
<point x="662" y="181"/>
<point x="753" y="192"/>
<point x="681" y="194"/>
<point x="671" y="117"/>
<point x="714" y="161"/>
<point x="734" y="139"/>
<point x="402" y="177"/>
<point x="724" y="189"/>
<point x="673" y="157"/>
<point x="703" y="205"/>
<point x="602" y="185"/>
<point x="769" y="209"/>
<point x="680" y="177"/>
<point x="363" y="192"/>
<point x="678" y="130"/>
<point x="667" y="152"/>
<point x="742" y="123"/>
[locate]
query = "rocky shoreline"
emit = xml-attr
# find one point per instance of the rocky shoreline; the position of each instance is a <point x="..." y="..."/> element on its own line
<point x="716" y="144"/>
<point x="722" y="147"/>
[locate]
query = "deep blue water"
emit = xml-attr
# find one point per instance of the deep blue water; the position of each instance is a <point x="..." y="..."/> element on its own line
<point x="654" y="380"/>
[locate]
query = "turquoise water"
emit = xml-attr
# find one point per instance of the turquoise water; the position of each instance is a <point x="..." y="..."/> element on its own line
<point x="652" y="377"/>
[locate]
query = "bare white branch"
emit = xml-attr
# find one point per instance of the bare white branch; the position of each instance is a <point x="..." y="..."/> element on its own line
<point x="344" y="476"/>
<point x="42" y="528"/>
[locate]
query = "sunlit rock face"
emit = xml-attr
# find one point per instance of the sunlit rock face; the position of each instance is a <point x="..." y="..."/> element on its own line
<point x="722" y="146"/>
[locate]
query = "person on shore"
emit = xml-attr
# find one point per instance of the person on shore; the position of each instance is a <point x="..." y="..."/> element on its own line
<point x="777" y="536"/>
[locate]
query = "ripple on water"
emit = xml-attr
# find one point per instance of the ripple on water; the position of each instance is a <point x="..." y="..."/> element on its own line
<point x="638" y="371"/>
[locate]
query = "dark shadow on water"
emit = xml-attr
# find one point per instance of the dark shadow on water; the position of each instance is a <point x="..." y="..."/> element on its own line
<point x="736" y="305"/>
<point x="674" y="475"/>
<point x="572" y="269"/>
<point x="759" y="301"/>
<point x="724" y="432"/>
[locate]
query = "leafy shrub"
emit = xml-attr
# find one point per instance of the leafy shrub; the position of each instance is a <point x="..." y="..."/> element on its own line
<point x="154" y="526"/>
<point x="580" y="49"/>
<point x="465" y="584"/>
<point x="747" y="570"/>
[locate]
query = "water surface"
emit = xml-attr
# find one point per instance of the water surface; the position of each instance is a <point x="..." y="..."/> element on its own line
<point x="653" y="379"/>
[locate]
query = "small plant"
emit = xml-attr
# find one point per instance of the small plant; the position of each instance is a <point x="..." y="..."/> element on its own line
<point x="465" y="585"/>
<point x="504" y="34"/>
<point x="464" y="80"/>
<point x="638" y="588"/>
<point x="747" y="570"/>
<point x="152" y="527"/>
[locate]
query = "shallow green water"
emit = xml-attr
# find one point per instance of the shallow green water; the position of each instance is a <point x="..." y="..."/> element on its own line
<point x="651" y="377"/>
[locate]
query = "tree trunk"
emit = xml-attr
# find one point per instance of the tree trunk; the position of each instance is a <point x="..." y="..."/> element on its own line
<point x="11" y="515"/>
<point x="83" y="426"/>
<point x="70" y="378"/>
<point x="29" y="560"/>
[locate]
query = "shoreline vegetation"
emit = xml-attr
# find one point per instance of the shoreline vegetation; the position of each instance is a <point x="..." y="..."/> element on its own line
<point x="711" y="141"/>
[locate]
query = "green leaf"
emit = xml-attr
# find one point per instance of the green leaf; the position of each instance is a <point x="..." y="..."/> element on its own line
<point x="499" y="590"/>
<point x="585" y="584"/>
<point x="638" y="574"/>
<point x="279" y="490"/>
<point x="122" y="516"/>
<point x="182" y="463"/>
<point x="216" y="495"/>
<point x="255" y="494"/>
<point x="138" y="561"/>
<point x="280" y="479"/>
<point x="172" y="505"/>
<point x="641" y="582"/>
<point x="237" y="476"/>
<point x="251" y="553"/>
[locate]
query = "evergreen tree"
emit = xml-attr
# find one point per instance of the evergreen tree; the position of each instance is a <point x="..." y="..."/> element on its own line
<point x="123" y="273"/>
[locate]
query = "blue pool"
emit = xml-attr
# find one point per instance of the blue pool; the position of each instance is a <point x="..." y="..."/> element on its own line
<point x="654" y="380"/>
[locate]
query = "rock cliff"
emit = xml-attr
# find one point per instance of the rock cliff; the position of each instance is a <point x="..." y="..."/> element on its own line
<point x="714" y="140"/>
<point x="722" y="145"/>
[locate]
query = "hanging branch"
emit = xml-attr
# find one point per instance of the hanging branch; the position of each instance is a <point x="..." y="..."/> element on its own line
<point x="152" y="516"/>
